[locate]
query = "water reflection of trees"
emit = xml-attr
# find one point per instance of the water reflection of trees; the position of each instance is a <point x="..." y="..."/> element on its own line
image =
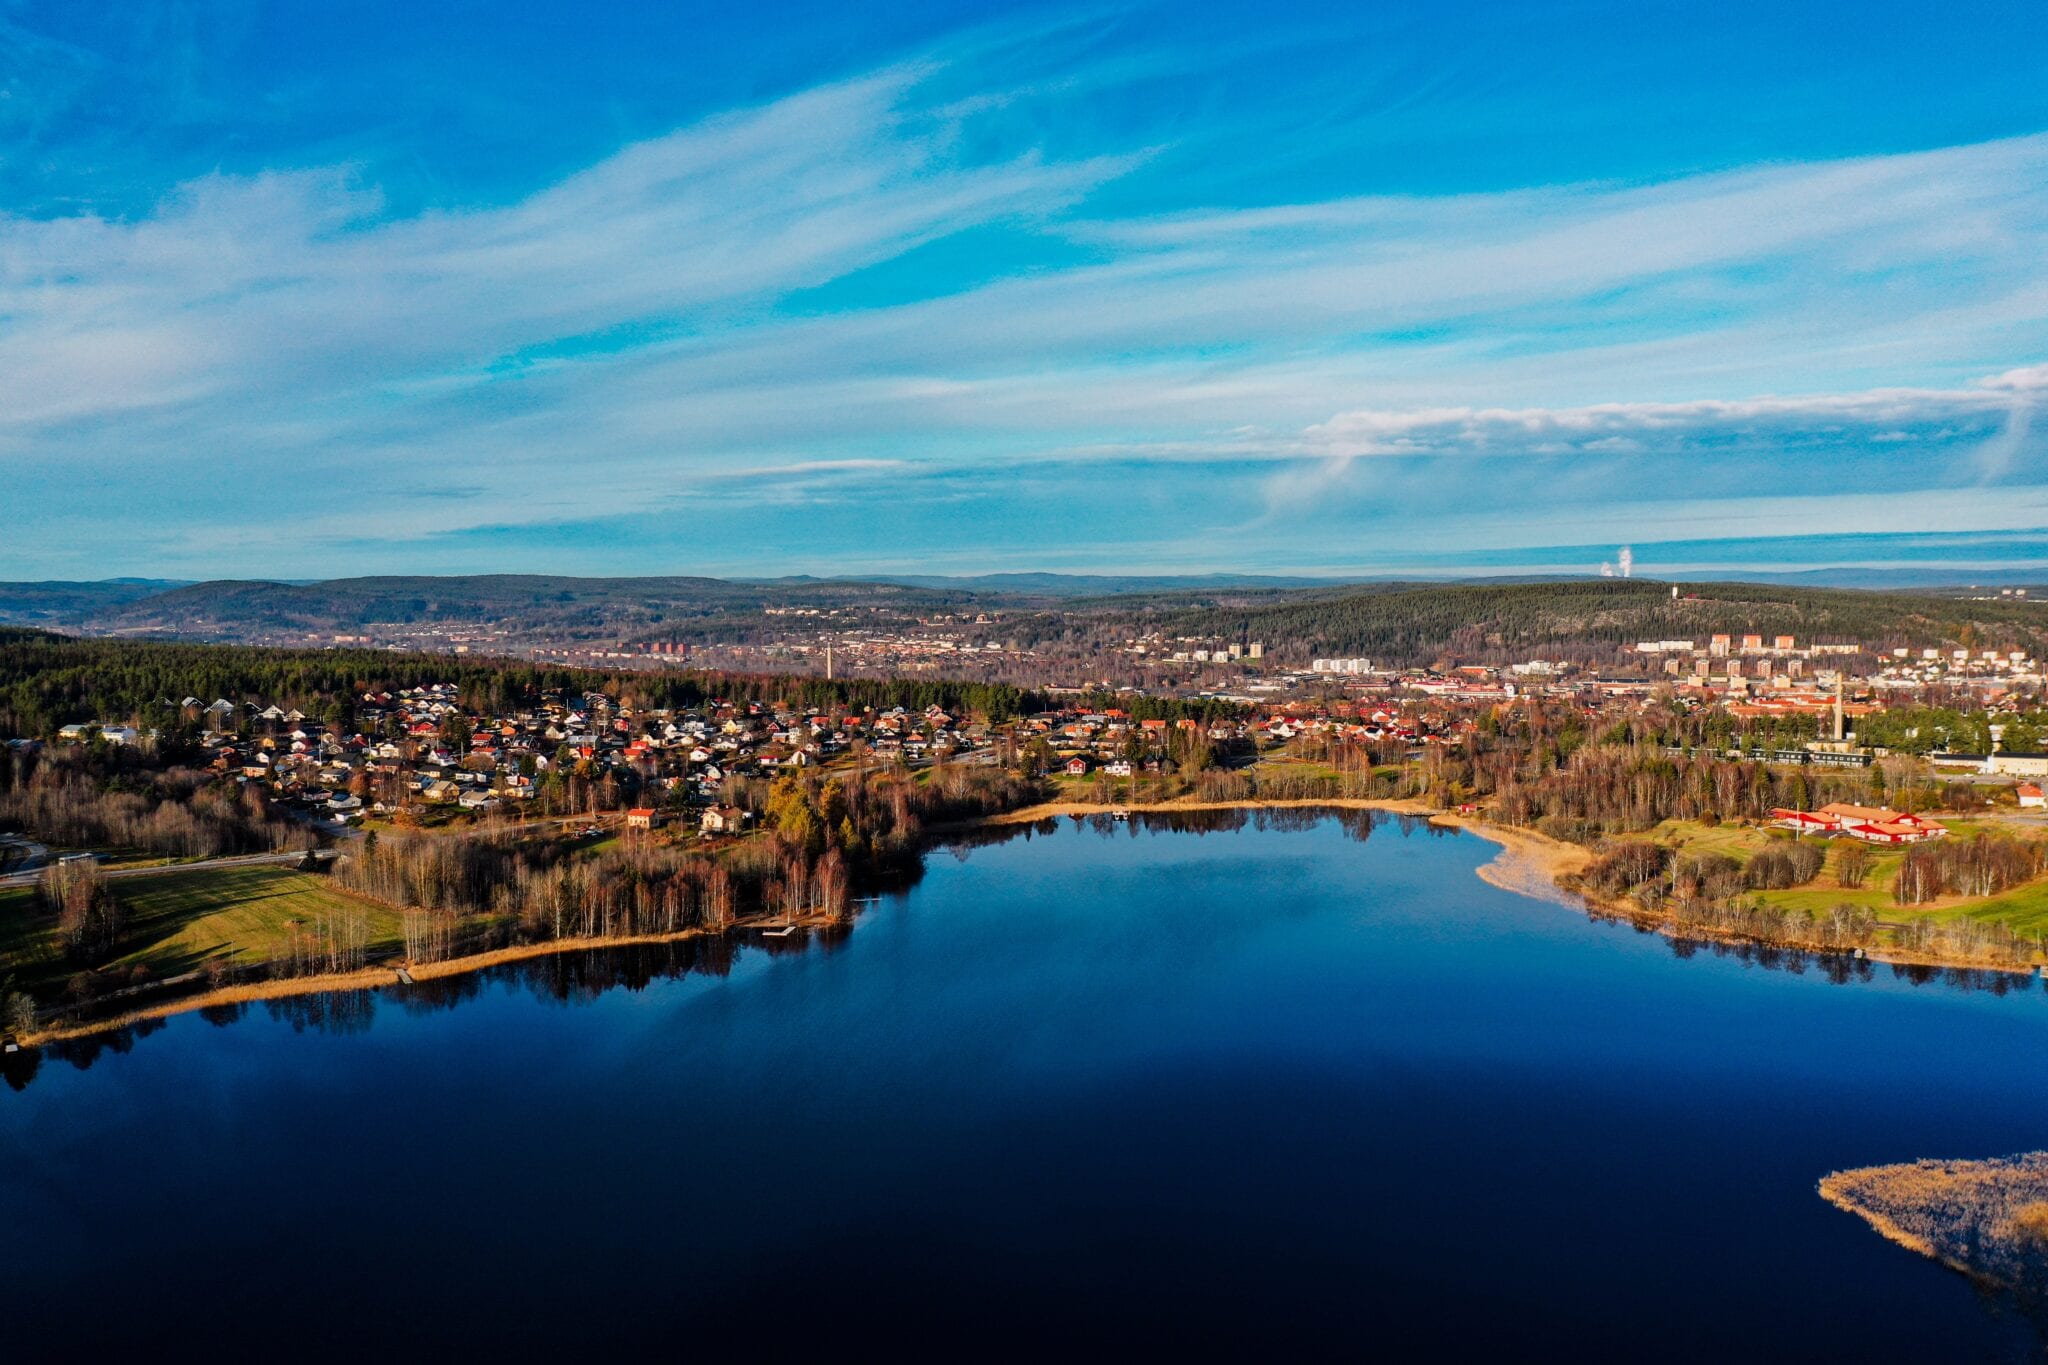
<point x="19" y="1068"/>
<point x="1844" y="968"/>
<point x="326" y="1011"/>
<point x="1355" y="823"/>
<point x="565" y="978"/>
<point x="582" y="975"/>
<point x="80" y="1052"/>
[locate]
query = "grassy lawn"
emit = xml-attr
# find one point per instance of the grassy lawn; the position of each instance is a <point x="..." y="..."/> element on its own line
<point x="179" y="919"/>
<point x="438" y="816"/>
<point x="2024" y="908"/>
<point x="1691" y="837"/>
<point x="1742" y="842"/>
<point x="1293" y="767"/>
<point x="1823" y="894"/>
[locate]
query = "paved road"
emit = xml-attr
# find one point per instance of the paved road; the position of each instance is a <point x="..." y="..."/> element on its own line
<point x="21" y="854"/>
<point x="205" y="865"/>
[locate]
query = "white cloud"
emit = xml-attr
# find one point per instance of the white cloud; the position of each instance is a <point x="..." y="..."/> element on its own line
<point x="2027" y="380"/>
<point x="293" y="279"/>
<point x="1878" y="415"/>
<point x="609" y="340"/>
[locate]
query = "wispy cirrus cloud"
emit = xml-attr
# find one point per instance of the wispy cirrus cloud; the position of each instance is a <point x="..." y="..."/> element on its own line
<point x="1785" y="422"/>
<point x="652" y="324"/>
<point x="295" y="279"/>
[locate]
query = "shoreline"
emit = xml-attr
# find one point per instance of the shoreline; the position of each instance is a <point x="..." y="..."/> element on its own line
<point x="1529" y="864"/>
<point x="1832" y="1193"/>
<point x="1968" y="1207"/>
<point x="365" y="979"/>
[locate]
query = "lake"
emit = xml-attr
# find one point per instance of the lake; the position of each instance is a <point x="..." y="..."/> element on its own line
<point x="1299" y="1083"/>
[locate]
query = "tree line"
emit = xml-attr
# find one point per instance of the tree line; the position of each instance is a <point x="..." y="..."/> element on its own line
<point x="48" y="681"/>
<point x="109" y="798"/>
<point x="822" y="838"/>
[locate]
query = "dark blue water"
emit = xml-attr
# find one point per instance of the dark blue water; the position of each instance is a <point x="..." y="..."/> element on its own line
<point x="1276" y="1089"/>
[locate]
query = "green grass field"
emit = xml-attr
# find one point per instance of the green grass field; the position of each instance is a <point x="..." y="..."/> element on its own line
<point x="176" y="920"/>
<point x="2024" y="909"/>
<point x="1281" y="765"/>
<point x="1692" y="837"/>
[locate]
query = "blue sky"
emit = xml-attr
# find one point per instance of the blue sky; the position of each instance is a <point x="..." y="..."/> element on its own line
<point x="300" y="291"/>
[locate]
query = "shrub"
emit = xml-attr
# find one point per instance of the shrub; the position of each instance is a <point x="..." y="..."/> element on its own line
<point x="1852" y="864"/>
<point x="1707" y="876"/>
<point x="1786" y="865"/>
<point x="1627" y="866"/>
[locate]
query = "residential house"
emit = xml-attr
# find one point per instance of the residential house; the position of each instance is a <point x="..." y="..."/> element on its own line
<point x="722" y="820"/>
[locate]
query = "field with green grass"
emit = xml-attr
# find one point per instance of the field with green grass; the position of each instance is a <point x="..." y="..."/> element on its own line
<point x="1692" y="837"/>
<point x="1283" y="765"/>
<point x="2024" y="909"/>
<point x="178" y="919"/>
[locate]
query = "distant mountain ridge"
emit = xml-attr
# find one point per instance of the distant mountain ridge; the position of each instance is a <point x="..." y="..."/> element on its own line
<point x="347" y="603"/>
<point x="1381" y="618"/>
<point x="1094" y="585"/>
<point x="56" y="601"/>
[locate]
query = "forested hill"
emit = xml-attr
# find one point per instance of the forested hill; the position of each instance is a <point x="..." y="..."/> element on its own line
<point x="56" y="602"/>
<point x="51" y="680"/>
<point x="228" y="607"/>
<point x="1413" y="622"/>
<point x="1397" y="623"/>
